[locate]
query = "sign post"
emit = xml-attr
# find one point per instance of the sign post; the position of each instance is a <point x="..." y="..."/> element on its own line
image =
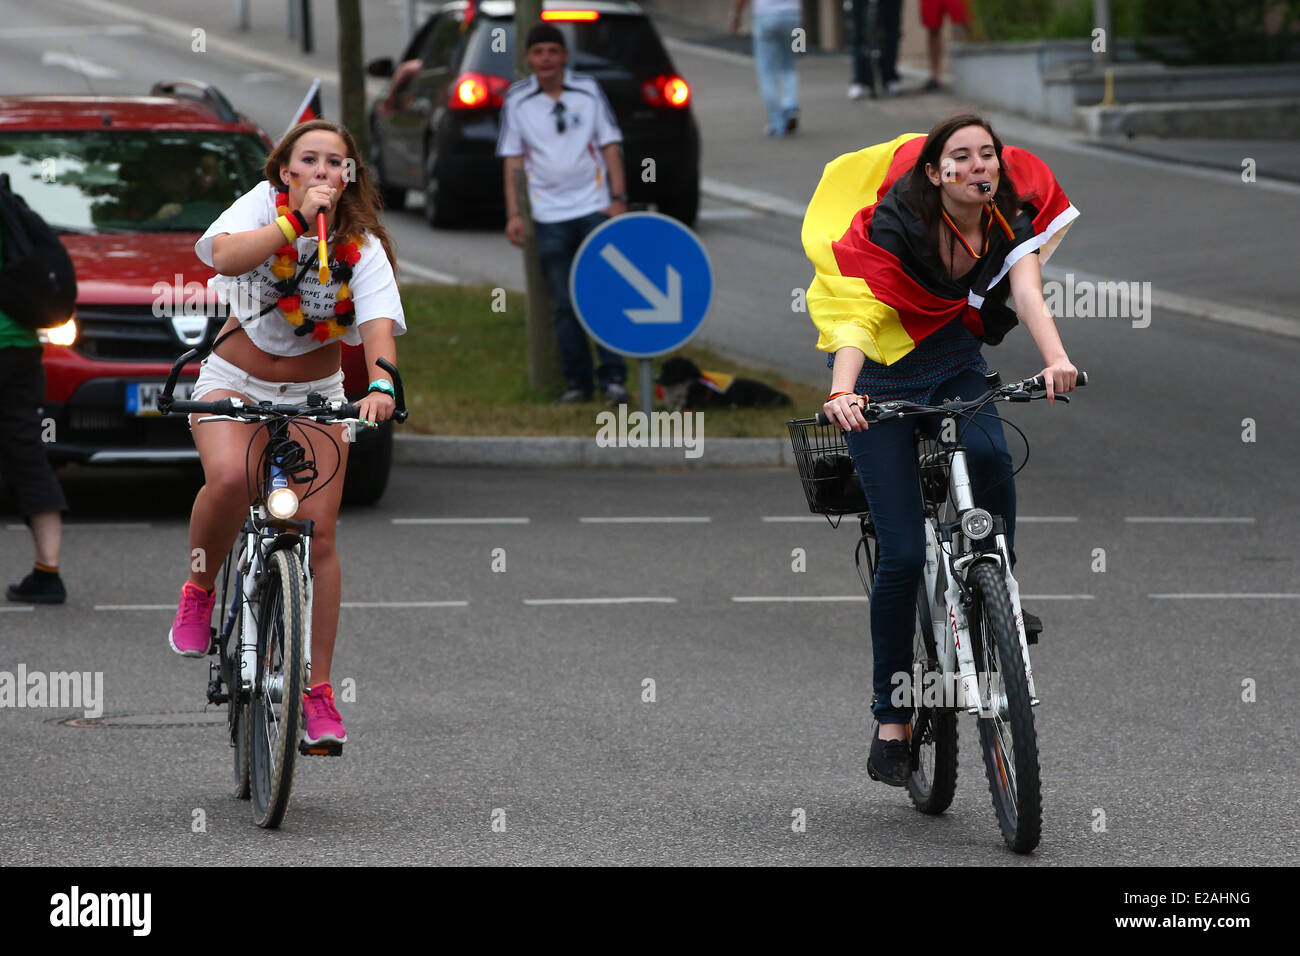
<point x="641" y="286"/>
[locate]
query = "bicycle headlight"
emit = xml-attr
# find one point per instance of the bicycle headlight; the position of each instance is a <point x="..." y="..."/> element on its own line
<point x="282" y="503"/>
<point x="976" y="524"/>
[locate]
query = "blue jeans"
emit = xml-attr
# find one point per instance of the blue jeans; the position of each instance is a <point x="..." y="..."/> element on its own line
<point x="557" y="244"/>
<point x="886" y="461"/>
<point x="888" y="15"/>
<point x="774" y="61"/>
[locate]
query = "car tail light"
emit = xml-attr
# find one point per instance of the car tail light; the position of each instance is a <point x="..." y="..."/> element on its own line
<point x="477" y="91"/>
<point x="587" y="15"/>
<point x="668" y="90"/>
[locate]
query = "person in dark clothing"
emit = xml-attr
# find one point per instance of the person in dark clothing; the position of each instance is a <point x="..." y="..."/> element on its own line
<point x="24" y="463"/>
<point x="888" y="17"/>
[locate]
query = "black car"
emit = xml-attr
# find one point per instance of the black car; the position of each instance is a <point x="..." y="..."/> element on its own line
<point x="436" y="130"/>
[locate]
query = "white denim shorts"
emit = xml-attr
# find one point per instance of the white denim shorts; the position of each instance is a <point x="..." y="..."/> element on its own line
<point x="216" y="373"/>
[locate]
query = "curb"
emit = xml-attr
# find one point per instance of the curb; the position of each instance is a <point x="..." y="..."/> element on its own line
<point x="579" y="452"/>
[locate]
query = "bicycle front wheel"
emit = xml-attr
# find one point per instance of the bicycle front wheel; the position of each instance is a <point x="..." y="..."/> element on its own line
<point x="934" y="781"/>
<point x="1007" y="734"/>
<point x="229" y="645"/>
<point x="275" y="706"/>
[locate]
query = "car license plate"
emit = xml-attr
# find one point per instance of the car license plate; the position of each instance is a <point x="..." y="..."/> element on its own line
<point x="142" y="397"/>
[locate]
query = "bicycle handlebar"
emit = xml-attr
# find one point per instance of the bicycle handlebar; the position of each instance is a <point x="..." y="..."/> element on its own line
<point x="171" y="406"/>
<point x="1027" y="388"/>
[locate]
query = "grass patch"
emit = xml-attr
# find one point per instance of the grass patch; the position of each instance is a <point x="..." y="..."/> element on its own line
<point x="465" y="370"/>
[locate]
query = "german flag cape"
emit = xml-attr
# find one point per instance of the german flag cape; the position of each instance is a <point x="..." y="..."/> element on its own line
<point x="878" y="287"/>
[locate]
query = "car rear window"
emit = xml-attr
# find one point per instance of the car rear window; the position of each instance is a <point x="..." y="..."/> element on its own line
<point x="130" y="180"/>
<point x="612" y="43"/>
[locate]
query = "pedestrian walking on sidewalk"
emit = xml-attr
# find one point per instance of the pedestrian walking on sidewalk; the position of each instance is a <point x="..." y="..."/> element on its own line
<point x="558" y="127"/>
<point x="774" y="24"/>
<point x="932" y="13"/>
<point x="888" y="14"/>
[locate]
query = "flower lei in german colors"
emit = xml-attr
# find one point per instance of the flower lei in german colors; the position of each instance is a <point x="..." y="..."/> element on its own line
<point x="285" y="265"/>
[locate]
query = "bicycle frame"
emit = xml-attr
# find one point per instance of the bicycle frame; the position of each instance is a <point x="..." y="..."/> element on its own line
<point x="948" y="550"/>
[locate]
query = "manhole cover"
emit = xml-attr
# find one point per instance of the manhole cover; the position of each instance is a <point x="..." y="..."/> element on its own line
<point x="155" y="721"/>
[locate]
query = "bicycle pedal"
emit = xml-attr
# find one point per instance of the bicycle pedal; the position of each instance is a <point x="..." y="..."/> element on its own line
<point x="326" y="748"/>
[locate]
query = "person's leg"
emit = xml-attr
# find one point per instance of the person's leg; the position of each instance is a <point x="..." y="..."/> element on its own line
<point x="322" y="507"/>
<point x="858" y="43"/>
<point x="886" y="462"/>
<point x="555" y="249"/>
<point x="767" y="41"/>
<point x="890" y="16"/>
<point x="612" y="369"/>
<point x="789" y="71"/>
<point x="47" y="533"/>
<point x="26" y="466"/>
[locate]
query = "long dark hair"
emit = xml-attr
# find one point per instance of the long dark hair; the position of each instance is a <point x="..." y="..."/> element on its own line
<point x="357" y="209"/>
<point x="924" y="197"/>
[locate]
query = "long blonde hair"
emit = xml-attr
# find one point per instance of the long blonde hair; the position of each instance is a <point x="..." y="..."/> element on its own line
<point x="358" y="206"/>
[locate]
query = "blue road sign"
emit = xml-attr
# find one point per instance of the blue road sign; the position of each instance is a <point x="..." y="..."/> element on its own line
<point x="641" y="284"/>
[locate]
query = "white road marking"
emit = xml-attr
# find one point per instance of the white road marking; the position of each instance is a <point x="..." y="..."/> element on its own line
<point x="4" y="609"/>
<point x="1226" y="597"/>
<point x="661" y="520"/>
<point x="792" y="519"/>
<point x="404" y="604"/>
<point x="622" y="600"/>
<point x="424" y="272"/>
<point x="135" y="607"/>
<point x="90" y="30"/>
<point x="461" y="520"/>
<point x="734" y="212"/>
<point x="1158" y="519"/>
<point x="78" y="64"/>
<point x="798" y="599"/>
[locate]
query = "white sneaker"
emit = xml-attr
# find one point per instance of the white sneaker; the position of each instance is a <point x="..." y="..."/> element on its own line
<point x="894" y="87"/>
<point x="857" y="91"/>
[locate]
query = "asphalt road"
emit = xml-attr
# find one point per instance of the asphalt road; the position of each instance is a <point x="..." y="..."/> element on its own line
<point x="536" y="709"/>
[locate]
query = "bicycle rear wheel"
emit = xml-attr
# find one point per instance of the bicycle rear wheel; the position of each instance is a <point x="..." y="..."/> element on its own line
<point x="1007" y="734"/>
<point x="275" y="706"/>
<point x="934" y="781"/>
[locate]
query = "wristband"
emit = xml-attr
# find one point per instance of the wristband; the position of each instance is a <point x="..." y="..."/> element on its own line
<point x="299" y="221"/>
<point x="382" y="385"/>
<point x="286" y="227"/>
<point x="837" y="395"/>
<point x="621" y="197"/>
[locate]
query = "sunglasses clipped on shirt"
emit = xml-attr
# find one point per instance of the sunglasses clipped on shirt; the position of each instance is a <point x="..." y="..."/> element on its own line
<point x="558" y="113"/>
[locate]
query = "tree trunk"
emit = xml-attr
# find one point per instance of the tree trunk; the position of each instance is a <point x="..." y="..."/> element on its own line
<point x="352" y="74"/>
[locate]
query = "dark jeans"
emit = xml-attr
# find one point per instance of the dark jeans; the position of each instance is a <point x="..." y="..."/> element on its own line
<point x="557" y="244"/>
<point x="886" y="461"/>
<point x="23" y="460"/>
<point x="888" y="17"/>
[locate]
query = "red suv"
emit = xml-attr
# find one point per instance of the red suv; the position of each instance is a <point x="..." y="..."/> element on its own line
<point x="130" y="183"/>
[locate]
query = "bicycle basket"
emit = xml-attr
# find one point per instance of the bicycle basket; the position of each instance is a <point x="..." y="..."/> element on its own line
<point x="830" y="482"/>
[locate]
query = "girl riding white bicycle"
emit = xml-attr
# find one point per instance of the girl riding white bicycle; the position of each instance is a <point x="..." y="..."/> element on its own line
<point x="917" y="243"/>
<point x="281" y="343"/>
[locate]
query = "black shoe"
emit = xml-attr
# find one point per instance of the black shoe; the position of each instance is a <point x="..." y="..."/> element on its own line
<point x="890" y="761"/>
<point x="791" y="123"/>
<point x="574" y="396"/>
<point x="1033" y="626"/>
<point x="38" y="588"/>
<point x="931" y="86"/>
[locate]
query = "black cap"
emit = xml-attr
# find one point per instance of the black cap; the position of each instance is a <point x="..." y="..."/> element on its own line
<point x="544" y="33"/>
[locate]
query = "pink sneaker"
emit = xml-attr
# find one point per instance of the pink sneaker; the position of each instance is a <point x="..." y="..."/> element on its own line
<point x="324" y="733"/>
<point x="191" y="633"/>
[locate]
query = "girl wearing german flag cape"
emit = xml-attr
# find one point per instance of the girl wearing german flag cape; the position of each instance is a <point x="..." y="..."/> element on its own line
<point x="917" y="243"/>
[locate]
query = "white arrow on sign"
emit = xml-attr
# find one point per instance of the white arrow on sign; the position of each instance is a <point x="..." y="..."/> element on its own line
<point x="666" y="308"/>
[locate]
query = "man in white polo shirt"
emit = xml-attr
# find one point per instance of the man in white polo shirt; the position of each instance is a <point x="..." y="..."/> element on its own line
<point x="558" y="126"/>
